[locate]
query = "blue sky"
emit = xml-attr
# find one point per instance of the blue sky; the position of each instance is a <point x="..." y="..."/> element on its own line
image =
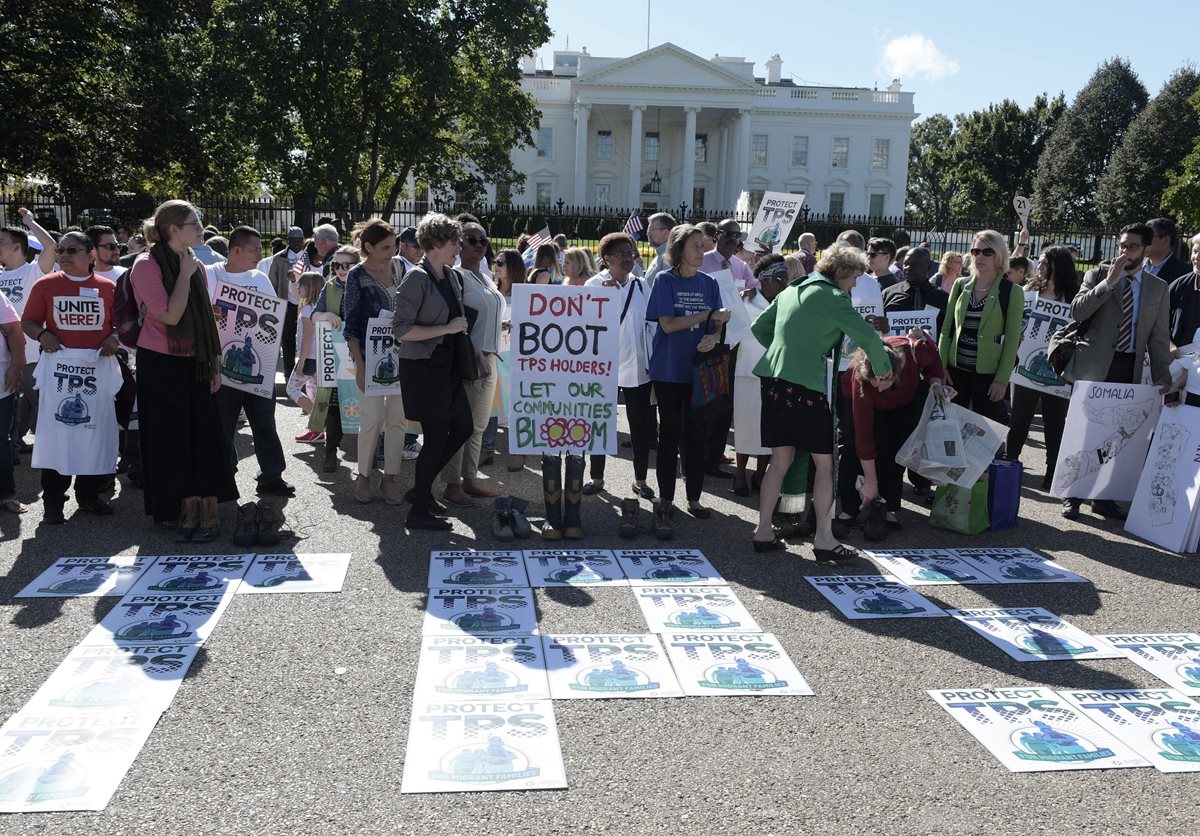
<point x="954" y="57"/>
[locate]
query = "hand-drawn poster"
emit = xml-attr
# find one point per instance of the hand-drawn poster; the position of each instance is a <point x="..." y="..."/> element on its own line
<point x="733" y="665"/>
<point x="87" y="577"/>
<point x="162" y="618"/>
<point x="477" y="568"/>
<point x="1034" y="730"/>
<point x="1161" y="725"/>
<point x="925" y="567"/>
<point x="71" y="762"/>
<point x="596" y="667"/>
<point x="670" y="609"/>
<point x="193" y="573"/>
<point x="1033" y="634"/>
<point x="503" y="611"/>
<point x="382" y="357"/>
<point x="565" y="347"/>
<point x="1017" y="565"/>
<point x="573" y="567"/>
<point x="473" y="668"/>
<point x="249" y="326"/>
<point x="1168" y="492"/>
<point x="874" y="596"/>
<point x="501" y="744"/>
<point x="1172" y="657"/>
<point x="1042" y="318"/>
<point x="653" y="567"/>
<point x="1106" y="440"/>
<point x="272" y="573"/>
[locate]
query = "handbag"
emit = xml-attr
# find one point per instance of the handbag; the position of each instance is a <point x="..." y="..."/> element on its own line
<point x="1063" y="344"/>
<point x="1004" y="493"/>
<point x="465" y="363"/>
<point x="712" y="386"/>
<point x="961" y="509"/>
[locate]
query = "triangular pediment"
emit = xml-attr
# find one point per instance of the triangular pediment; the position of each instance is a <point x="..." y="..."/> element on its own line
<point x="666" y="65"/>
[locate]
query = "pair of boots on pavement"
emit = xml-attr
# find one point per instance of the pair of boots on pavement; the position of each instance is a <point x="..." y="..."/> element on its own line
<point x="199" y="520"/>
<point x="563" y="501"/>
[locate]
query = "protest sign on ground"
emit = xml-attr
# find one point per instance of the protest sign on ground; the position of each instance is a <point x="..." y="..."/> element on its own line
<point x="192" y="573"/>
<point x="671" y="609"/>
<point x="87" y="577"/>
<point x="1017" y="565"/>
<point x="924" y="567"/>
<point x="162" y="618"/>
<point x="273" y="573"/>
<point x="733" y="665"/>
<point x="1033" y="634"/>
<point x="1172" y="657"/>
<point x="1160" y="725"/>
<point x="494" y="611"/>
<point x="477" y="568"/>
<point x="249" y="326"/>
<point x="573" y="567"/>
<point x="473" y="668"/>
<point x="594" y="667"/>
<point x="874" y="596"/>
<point x="654" y="567"/>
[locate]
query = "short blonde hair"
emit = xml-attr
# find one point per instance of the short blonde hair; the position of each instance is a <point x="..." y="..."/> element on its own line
<point x="349" y="250"/>
<point x="947" y="257"/>
<point x="992" y="238"/>
<point x="842" y="259"/>
<point x="435" y="229"/>
<point x="795" y="267"/>
<point x="582" y="261"/>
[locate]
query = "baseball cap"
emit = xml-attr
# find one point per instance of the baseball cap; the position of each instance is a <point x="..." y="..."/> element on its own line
<point x="295" y="232"/>
<point x="34" y="243"/>
<point x="408" y="235"/>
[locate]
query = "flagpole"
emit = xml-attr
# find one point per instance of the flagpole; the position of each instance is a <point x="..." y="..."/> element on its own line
<point x="647" y="24"/>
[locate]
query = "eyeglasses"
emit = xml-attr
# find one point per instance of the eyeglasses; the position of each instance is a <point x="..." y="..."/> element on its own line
<point x="873" y="253"/>
<point x="196" y="224"/>
<point x="109" y="246"/>
<point x="622" y="254"/>
<point x="477" y="242"/>
<point x="729" y="233"/>
<point x="978" y="251"/>
<point x="343" y="265"/>
<point x="69" y="250"/>
<point x="1132" y="246"/>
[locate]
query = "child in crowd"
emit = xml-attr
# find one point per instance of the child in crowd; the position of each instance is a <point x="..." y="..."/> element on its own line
<point x="301" y="384"/>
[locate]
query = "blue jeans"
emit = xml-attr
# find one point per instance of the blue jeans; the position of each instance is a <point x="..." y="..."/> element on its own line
<point x="260" y="414"/>
<point x="7" y="412"/>
<point x="489" y="436"/>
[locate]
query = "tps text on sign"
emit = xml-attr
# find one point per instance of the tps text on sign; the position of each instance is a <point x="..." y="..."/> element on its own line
<point x="565" y="348"/>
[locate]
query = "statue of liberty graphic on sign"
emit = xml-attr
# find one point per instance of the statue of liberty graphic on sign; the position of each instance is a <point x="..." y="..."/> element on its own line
<point x="239" y="362"/>
<point x="770" y="237"/>
<point x="883" y="604"/>
<point x="1127" y="421"/>
<point x="493" y="764"/>
<point x="1043" y="742"/>
<point x="385" y="371"/>
<point x="1182" y="744"/>
<point x="73" y="411"/>
<point x="34" y="784"/>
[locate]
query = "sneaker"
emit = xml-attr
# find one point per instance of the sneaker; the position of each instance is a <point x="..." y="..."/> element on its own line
<point x="502" y="520"/>
<point x="1070" y="508"/>
<point x="520" y="523"/>
<point x="311" y="437"/>
<point x="411" y="451"/>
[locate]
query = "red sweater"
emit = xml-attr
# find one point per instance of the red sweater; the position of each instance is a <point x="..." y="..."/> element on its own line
<point x="921" y="362"/>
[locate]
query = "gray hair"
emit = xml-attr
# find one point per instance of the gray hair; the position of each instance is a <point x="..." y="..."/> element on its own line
<point x="842" y="260"/>
<point x="327" y="231"/>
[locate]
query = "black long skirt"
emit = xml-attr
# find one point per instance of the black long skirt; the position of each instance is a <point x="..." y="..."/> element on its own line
<point x="184" y="452"/>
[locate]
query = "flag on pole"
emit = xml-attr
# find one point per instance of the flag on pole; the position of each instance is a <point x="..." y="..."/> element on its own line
<point x="633" y="226"/>
<point x="535" y="241"/>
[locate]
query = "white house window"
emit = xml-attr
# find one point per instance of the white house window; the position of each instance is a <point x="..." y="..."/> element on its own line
<point x="800" y="151"/>
<point x="837" y="203"/>
<point x="698" y="198"/>
<point x="650" y="148"/>
<point x="543" y="195"/>
<point x="758" y="149"/>
<point x="701" y="148"/>
<point x="604" y="145"/>
<point x="841" y="151"/>
<point x="880" y="151"/>
<point x="876" y="205"/>
<point x="601" y="193"/>
<point x="545" y="142"/>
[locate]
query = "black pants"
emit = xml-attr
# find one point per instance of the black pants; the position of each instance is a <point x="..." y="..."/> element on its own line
<point x="892" y="428"/>
<point x="289" y="341"/>
<point x="641" y="431"/>
<point x="719" y="436"/>
<point x="973" y="393"/>
<point x="677" y="428"/>
<point x="333" y="424"/>
<point x="1122" y="370"/>
<point x="1054" y="420"/>
<point x="433" y="396"/>
<point x="55" y="484"/>
<point x="260" y="414"/>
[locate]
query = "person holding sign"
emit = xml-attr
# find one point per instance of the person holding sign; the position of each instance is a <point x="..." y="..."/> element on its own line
<point x="686" y="304"/>
<point x="982" y="328"/>
<point x="186" y="464"/>
<point x="327" y="412"/>
<point x="429" y="314"/>
<point x="73" y="308"/>
<point x="371" y="289"/>
<point x="1056" y="281"/>
<point x="12" y="361"/>
<point x="802" y="328"/>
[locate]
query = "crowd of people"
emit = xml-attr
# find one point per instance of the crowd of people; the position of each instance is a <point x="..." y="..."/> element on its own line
<point x="147" y="299"/>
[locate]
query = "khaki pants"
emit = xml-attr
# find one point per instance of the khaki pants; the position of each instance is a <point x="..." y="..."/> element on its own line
<point x="480" y="394"/>
<point x="386" y="414"/>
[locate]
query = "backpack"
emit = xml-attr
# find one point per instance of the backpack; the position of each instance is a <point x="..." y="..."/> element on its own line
<point x="127" y="314"/>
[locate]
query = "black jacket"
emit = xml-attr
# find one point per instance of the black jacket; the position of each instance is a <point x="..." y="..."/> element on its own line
<point x="1172" y="268"/>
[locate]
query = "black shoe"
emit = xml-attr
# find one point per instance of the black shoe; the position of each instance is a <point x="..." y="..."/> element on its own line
<point x="772" y="545"/>
<point x="1070" y="509"/>
<point x="330" y="464"/>
<point x="718" y="472"/>
<point x="841" y="526"/>
<point x="741" y="489"/>
<point x="875" y="528"/>
<point x="593" y="487"/>
<point x="664" y="515"/>
<point x="700" y="512"/>
<point x="643" y="491"/>
<point x="1108" y="509"/>
<point x="96" y="506"/>
<point x="268" y="524"/>
<point x="245" y="533"/>
<point x="431" y="505"/>
<point x="53" y="516"/>
<point x="422" y="519"/>
<point x="893" y="522"/>
<point x="275" y="487"/>
<point x="135" y="479"/>
<point x="841" y="554"/>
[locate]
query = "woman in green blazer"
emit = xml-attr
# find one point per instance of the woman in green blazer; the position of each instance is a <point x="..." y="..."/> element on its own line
<point x="979" y="341"/>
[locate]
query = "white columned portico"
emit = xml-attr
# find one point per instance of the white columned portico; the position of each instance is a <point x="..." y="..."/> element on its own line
<point x="635" y="157"/>
<point x="581" y="145"/>
<point x="689" y="156"/>
<point x="741" y="153"/>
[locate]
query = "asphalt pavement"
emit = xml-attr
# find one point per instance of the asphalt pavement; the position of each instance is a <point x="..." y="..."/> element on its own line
<point x="266" y="736"/>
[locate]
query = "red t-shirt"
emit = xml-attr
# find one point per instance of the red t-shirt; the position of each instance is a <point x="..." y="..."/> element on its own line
<point x="921" y="362"/>
<point x="79" y="313"/>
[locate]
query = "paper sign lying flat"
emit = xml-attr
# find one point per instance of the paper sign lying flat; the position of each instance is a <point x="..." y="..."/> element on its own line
<point x="874" y="596"/>
<point x="1172" y="657"/>
<point x="573" y="567"/>
<point x="473" y="668"/>
<point x="183" y="573"/>
<point x="1033" y="634"/>
<point x="1161" y="725"/>
<point x="582" y="667"/>
<point x="671" y="609"/>
<point x="162" y="618"/>
<point x="1018" y="565"/>
<point x="471" y="747"/>
<point x="1034" y="730"/>
<point x="733" y="665"/>
<point x="477" y="569"/>
<point x="270" y="573"/>
<point x="505" y="611"/>
<point x="654" y="567"/>
<point x="917" y="567"/>
<point x="87" y="577"/>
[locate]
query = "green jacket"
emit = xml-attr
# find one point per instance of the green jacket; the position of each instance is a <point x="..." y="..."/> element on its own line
<point x="803" y="324"/>
<point x="998" y="338"/>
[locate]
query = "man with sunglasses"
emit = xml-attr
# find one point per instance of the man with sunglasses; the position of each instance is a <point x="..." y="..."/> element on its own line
<point x="108" y="252"/>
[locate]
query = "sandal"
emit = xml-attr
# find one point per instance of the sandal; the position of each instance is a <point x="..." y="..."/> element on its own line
<point x="772" y="545"/>
<point x="12" y="506"/>
<point x="841" y="554"/>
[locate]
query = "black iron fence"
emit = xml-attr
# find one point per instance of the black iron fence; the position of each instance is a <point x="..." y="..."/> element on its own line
<point x="582" y="225"/>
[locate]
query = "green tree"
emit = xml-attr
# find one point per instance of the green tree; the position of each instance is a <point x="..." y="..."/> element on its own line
<point x="1182" y="197"/>
<point x="932" y="163"/>
<point x="1157" y="141"/>
<point x="1084" y="141"/>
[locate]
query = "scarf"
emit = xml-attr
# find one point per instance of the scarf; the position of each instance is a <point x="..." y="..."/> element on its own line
<point x="196" y="330"/>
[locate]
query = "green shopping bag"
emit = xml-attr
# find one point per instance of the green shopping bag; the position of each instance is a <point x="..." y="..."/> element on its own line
<point x="959" y="509"/>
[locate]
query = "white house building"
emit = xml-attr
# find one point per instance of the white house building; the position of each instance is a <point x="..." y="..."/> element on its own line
<point x="666" y="127"/>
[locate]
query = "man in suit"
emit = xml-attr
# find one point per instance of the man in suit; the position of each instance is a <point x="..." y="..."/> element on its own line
<point x="1128" y="314"/>
<point x="1160" y="255"/>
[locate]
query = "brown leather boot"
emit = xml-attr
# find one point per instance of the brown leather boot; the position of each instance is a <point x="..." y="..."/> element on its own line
<point x="210" y="521"/>
<point x="189" y="519"/>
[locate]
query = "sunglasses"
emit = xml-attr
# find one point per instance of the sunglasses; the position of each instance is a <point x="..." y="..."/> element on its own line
<point x="977" y="251"/>
<point x="343" y="265"/>
<point x="109" y="246"/>
<point x="477" y="242"/>
<point x="69" y="250"/>
<point x="724" y="233"/>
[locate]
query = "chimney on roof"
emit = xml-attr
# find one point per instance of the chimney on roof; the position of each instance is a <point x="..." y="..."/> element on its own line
<point x="774" y="69"/>
<point x="894" y="87"/>
<point x="528" y="65"/>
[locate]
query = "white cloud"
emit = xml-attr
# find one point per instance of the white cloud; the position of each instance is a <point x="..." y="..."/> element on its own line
<point x="915" y="57"/>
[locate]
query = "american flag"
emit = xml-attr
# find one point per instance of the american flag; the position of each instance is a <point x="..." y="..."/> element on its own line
<point x="535" y="241"/>
<point x="633" y="226"/>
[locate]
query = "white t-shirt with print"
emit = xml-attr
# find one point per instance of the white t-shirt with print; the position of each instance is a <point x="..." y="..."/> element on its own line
<point x="77" y="415"/>
<point x="112" y="275"/>
<point x="8" y="315"/>
<point x="16" y="285"/>
<point x="251" y="279"/>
